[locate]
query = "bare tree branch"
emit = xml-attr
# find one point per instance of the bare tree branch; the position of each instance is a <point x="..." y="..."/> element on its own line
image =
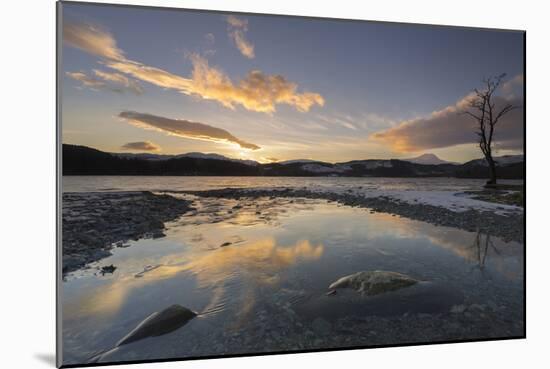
<point x="505" y="110"/>
<point x="487" y="118"/>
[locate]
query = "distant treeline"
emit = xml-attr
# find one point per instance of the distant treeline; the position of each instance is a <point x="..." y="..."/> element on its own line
<point x="82" y="160"/>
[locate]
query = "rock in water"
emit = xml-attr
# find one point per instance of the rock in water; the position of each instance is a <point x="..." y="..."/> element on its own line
<point x="108" y="269"/>
<point x="147" y="269"/>
<point x="156" y="324"/>
<point x="374" y="282"/>
<point x="159" y="323"/>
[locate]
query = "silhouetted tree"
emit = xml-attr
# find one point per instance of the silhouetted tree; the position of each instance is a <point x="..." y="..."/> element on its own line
<point x="483" y="110"/>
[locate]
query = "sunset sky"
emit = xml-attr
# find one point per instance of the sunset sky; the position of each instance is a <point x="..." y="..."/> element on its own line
<point x="277" y="88"/>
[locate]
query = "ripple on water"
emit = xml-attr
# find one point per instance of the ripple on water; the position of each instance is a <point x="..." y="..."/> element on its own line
<point x="266" y="289"/>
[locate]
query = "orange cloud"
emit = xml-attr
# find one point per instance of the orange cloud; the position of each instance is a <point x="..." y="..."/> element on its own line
<point x="110" y="81"/>
<point x="92" y="39"/>
<point x="448" y="127"/>
<point x="237" y="22"/>
<point x="256" y="92"/>
<point x="141" y="146"/>
<point x="184" y="128"/>
<point x="237" y="29"/>
<point x="118" y="78"/>
<point x="86" y="80"/>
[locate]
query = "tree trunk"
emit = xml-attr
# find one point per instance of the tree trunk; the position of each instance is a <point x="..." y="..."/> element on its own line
<point x="492" y="171"/>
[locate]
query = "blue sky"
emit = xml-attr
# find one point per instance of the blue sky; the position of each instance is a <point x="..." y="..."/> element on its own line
<point x="338" y="84"/>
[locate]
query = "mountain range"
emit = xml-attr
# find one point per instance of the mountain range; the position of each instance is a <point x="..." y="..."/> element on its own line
<point x="82" y="160"/>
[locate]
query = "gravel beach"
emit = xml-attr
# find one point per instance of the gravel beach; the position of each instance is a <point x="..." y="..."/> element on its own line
<point x="93" y="222"/>
<point x="509" y="227"/>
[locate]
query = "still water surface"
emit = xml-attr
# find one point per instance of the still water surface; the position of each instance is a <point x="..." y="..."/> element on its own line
<point x="266" y="290"/>
<point x="179" y="183"/>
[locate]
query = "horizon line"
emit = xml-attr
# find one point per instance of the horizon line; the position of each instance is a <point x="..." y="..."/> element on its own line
<point x="282" y="161"/>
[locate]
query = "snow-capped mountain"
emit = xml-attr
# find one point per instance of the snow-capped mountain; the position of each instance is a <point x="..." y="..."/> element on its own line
<point x="428" y="159"/>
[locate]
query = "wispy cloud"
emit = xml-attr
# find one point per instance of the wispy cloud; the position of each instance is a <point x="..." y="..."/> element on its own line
<point x="92" y="39"/>
<point x="513" y="87"/>
<point x="184" y="128"/>
<point x="447" y="127"/>
<point x="210" y="38"/>
<point x="346" y="122"/>
<point x="86" y="80"/>
<point x="237" y="28"/>
<point x="119" y="79"/>
<point x="237" y="22"/>
<point x="256" y="92"/>
<point x="141" y="146"/>
<point x="106" y="81"/>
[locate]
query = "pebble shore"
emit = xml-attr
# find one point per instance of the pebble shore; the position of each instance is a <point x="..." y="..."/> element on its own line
<point x="94" y="222"/>
<point x="508" y="228"/>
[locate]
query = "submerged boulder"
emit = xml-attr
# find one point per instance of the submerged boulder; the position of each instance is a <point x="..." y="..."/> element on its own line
<point x="159" y="323"/>
<point x="156" y="324"/>
<point x="374" y="282"/>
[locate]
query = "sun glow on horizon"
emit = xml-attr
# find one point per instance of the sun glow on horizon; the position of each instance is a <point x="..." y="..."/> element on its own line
<point x="227" y="95"/>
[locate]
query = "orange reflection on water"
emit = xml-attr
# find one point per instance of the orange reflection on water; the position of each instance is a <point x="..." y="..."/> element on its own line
<point x="259" y="260"/>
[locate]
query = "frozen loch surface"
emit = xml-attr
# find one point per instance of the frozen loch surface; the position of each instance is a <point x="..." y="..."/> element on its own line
<point x="257" y="272"/>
